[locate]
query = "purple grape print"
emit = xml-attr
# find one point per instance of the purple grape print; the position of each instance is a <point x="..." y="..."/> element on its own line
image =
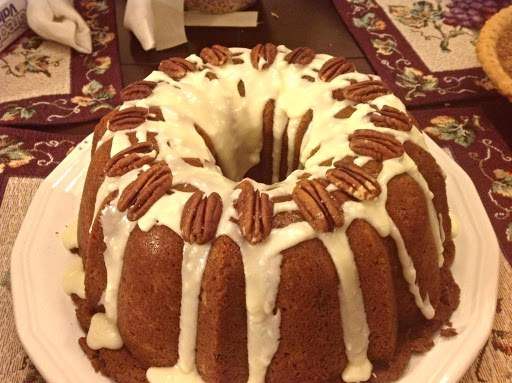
<point x="472" y="14"/>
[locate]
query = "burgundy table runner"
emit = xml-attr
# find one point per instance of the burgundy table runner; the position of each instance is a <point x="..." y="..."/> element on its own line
<point x="424" y="49"/>
<point x="47" y="83"/>
<point x="472" y="141"/>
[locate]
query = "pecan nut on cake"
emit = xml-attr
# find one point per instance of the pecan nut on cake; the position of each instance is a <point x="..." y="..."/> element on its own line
<point x="261" y="215"/>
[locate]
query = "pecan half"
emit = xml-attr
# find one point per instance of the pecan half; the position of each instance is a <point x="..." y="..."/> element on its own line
<point x="334" y="67"/>
<point x="353" y="180"/>
<point x="133" y="157"/>
<point x="389" y="117"/>
<point x="211" y="76"/>
<point x="141" y="194"/>
<point x="137" y="90"/>
<point x="241" y="88"/>
<point x="267" y="52"/>
<point x="317" y="206"/>
<point x="128" y="118"/>
<point x="300" y="56"/>
<point x="155" y="114"/>
<point x="216" y="55"/>
<point x="200" y="217"/>
<point x="346" y="112"/>
<point x="176" y="67"/>
<point x="366" y="90"/>
<point x="377" y="145"/>
<point x="255" y="212"/>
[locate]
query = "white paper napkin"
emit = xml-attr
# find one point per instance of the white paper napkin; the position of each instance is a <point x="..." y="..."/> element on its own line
<point x="161" y="24"/>
<point x="57" y="20"/>
<point x="138" y="18"/>
<point x="156" y="23"/>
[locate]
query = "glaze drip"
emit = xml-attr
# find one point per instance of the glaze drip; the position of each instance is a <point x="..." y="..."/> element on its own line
<point x="233" y="124"/>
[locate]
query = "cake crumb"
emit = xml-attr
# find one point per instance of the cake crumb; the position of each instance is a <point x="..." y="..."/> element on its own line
<point x="275" y="15"/>
<point x="498" y="305"/>
<point x="448" y="332"/>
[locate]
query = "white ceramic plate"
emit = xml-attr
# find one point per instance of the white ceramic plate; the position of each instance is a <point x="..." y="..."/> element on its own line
<point x="45" y="316"/>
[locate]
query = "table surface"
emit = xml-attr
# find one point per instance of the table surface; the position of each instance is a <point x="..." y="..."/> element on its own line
<point x="278" y="23"/>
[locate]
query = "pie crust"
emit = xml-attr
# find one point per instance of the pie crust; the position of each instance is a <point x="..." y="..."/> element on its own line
<point x="494" y="50"/>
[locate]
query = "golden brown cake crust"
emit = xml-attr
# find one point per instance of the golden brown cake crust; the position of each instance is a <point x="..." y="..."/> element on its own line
<point x="149" y="300"/>
<point x="222" y="324"/>
<point x="432" y="173"/>
<point x="94" y="264"/>
<point x="93" y="180"/>
<point x="311" y="344"/>
<point x="407" y="208"/>
<point x="373" y="264"/>
<point x="311" y="347"/>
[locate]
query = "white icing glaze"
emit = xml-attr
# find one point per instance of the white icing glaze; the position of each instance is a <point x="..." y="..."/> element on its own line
<point x="73" y="278"/>
<point x="70" y="236"/>
<point x="455" y="225"/>
<point x="262" y="265"/>
<point x="116" y="230"/>
<point x="194" y="262"/>
<point x="234" y="124"/>
<point x="119" y="142"/>
<point x="172" y="375"/>
<point x="355" y="327"/>
<point x="103" y="333"/>
<point x="441" y="228"/>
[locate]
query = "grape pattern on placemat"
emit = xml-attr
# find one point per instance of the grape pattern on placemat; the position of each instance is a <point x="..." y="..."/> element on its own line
<point x="472" y="14"/>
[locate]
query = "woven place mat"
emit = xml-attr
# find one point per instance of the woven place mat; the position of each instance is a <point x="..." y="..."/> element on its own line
<point x="26" y="157"/>
<point x="472" y="141"/>
<point x="47" y="83"/>
<point x="31" y="154"/>
<point x="408" y="44"/>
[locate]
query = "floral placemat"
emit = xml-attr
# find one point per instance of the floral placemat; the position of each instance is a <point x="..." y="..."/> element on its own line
<point x="424" y="49"/>
<point x="31" y="154"/>
<point x="472" y="141"/>
<point x="47" y="83"/>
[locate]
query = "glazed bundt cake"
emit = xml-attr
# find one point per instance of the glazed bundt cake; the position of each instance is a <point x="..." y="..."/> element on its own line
<point x="261" y="215"/>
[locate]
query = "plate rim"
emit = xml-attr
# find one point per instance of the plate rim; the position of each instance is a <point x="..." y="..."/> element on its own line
<point x="47" y="364"/>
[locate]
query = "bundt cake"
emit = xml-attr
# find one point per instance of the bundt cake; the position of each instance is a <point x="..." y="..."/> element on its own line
<point x="261" y="215"/>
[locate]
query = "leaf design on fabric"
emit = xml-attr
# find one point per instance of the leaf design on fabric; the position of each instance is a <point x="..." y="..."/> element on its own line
<point x="11" y="152"/>
<point x="33" y="42"/>
<point x="415" y="16"/>
<point x="423" y="14"/>
<point x="6" y="280"/>
<point x="17" y="112"/>
<point x="385" y="47"/>
<point x="449" y="129"/>
<point x="100" y="64"/>
<point x="95" y="92"/>
<point x="369" y="21"/>
<point x="503" y="183"/>
<point x="502" y="341"/>
<point x="100" y="38"/>
<point x="95" y="5"/>
<point x="417" y="83"/>
<point x="35" y="63"/>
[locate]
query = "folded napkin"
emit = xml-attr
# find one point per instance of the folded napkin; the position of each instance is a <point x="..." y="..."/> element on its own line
<point x="156" y="23"/>
<point x="161" y="24"/>
<point x="57" y="20"/>
<point x="138" y="18"/>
